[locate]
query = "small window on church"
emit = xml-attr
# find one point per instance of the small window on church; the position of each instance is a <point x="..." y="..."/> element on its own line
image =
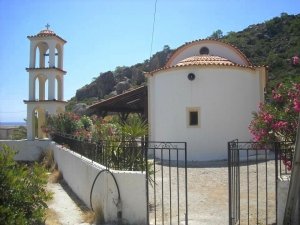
<point x="204" y="51"/>
<point x="193" y="117"/>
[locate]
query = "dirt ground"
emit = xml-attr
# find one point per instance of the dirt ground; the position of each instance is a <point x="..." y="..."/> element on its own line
<point x="207" y="184"/>
<point x="65" y="208"/>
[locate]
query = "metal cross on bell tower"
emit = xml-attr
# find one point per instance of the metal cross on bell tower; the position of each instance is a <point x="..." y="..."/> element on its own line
<point x="47" y="25"/>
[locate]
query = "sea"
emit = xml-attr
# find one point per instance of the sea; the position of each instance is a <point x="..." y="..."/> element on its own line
<point x="12" y="124"/>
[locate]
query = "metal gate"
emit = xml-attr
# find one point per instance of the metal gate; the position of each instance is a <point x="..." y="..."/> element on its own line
<point x="167" y="183"/>
<point x="253" y="170"/>
<point x="165" y="164"/>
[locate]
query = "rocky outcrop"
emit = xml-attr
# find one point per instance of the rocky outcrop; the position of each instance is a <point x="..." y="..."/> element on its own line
<point x="122" y="79"/>
<point x="81" y="109"/>
<point x="137" y="75"/>
<point x="159" y="59"/>
<point x="122" y="86"/>
<point x="101" y="86"/>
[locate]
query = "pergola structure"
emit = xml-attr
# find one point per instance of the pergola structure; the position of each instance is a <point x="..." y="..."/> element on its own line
<point x="133" y="101"/>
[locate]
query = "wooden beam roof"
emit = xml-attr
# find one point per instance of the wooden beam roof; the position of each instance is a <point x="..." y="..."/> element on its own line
<point x="133" y="101"/>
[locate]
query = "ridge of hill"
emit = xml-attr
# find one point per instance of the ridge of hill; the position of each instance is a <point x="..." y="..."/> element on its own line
<point x="273" y="43"/>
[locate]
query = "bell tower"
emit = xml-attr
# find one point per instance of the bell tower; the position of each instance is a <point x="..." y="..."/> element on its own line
<point x="46" y="80"/>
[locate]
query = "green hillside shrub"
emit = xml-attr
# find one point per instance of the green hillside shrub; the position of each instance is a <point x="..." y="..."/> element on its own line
<point x="22" y="190"/>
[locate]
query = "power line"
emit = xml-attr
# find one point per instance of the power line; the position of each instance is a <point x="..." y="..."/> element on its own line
<point x="14" y="112"/>
<point x="153" y="28"/>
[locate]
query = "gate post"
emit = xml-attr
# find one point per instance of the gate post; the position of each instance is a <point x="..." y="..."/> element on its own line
<point x="145" y="147"/>
<point x="229" y="181"/>
<point x="277" y="151"/>
<point x="186" y="192"/>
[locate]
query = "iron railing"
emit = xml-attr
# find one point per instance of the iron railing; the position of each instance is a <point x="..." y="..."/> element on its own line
<point x="253" y="170"/>
<point x="113" y="154"/>
<point x="165" y="164"/>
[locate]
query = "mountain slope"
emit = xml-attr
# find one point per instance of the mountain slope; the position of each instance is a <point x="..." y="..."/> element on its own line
<point x="273" y="43"/>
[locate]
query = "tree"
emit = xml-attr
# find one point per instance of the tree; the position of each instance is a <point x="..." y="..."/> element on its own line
<point x="216" y="34"/>
<point x="21" y="131"/>
<point x="278" y="121"/>
<point x="119" y="70"/>
<point x="166" y="48"/>
<point x="22" y="190"/>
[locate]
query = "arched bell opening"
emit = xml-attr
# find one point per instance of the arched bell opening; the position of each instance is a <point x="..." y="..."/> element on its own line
<point x="40" y="115"/>
<point x="59" y="90"/>
<point x="39" y="87"/>
<point x="47" y="58"/>
<point x="31" y="125"/>
<point x="35" y="122"/>
<point x="41" y="55"/>
<point x="58" y="56"/>
<point x="36" y="57"/>
<point x="47" y="89"/>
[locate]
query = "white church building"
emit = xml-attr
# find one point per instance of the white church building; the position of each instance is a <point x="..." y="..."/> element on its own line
<point x="204" y="95"/>
<point x="45" y="74"/>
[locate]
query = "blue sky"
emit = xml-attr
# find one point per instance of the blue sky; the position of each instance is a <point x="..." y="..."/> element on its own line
<point x="104" y="34"/>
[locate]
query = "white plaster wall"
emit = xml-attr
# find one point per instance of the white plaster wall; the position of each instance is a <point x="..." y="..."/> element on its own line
<point x="216" y="48"/>
<point x="226" y="97"/>
<point x="28" y="150"/>
<point x="80" y="173"/>
<point x="283" y="184"/>
<point x="283" y="188"/>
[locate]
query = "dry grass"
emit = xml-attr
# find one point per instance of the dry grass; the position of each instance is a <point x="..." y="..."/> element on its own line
<point x="54" y="167"/>
<point x="46" y="157"/>
<point x="96" y="216"/>
<point x="52" y="217"/>
<point x="55" y="176"/>
<point x="49" y="158"/>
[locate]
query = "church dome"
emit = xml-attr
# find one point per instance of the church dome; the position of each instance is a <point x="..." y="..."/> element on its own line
<point x="205" y="60"/>
<point x="46" y="33"/>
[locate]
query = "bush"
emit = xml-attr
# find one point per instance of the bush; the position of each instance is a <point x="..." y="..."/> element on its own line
<point x="22" y="190"/>
<point x="278" y="121"/>
<point x="86" y="123"/>
<point x="19" y="133"/>
<point x="66" y="122"/>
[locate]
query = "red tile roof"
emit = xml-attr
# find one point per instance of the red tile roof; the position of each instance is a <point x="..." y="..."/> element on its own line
<point x="205" y="60"/>
<point x="50" y="101"/>
<point x="203" y="40"/>
<point x="47" y="33"/>
<point x="46" y="68"/>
